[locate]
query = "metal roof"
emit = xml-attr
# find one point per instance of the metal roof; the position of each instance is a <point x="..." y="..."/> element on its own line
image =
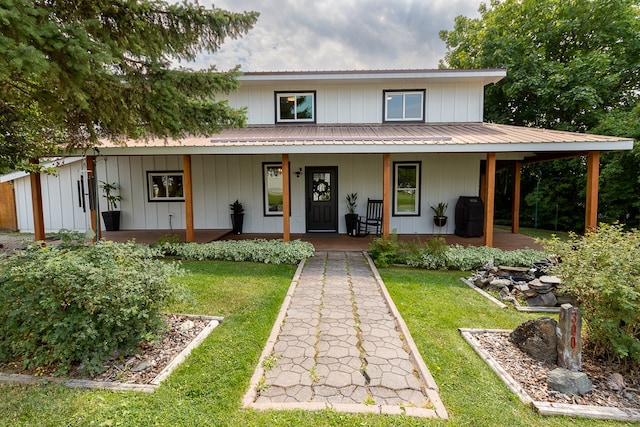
<point x="376" y="138"/>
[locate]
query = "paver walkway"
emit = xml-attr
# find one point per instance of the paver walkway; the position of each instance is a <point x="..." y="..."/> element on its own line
<point x="340" y="343"/>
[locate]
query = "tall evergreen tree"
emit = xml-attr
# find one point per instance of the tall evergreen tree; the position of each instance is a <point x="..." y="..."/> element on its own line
<point x="74" y="71"/>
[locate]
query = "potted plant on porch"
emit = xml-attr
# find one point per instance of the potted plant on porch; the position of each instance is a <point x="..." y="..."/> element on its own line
<point x="112" y="216"/>
<point x="351" y="218"/>
<point x="237" y="216"/>
<point x="440" y="219"/>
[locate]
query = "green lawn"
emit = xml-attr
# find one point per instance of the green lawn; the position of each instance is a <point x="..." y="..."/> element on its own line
<point x="540" y="234"/>
<point x="207" y="389"/>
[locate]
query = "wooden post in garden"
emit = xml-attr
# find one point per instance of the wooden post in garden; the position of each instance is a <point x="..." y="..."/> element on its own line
<point x="36" y="200"/>
<point x="569" y="334"/>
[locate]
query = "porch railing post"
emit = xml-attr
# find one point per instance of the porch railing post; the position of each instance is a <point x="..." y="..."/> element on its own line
<point x="36" y="201"/>
<point x="515" y="208"/>
<point x="188" y="198"/>
<point x="386" y="194"/>
<point x="489" y="199"/>
<point x="593" y="174"/>
<point x="286" y="208"/>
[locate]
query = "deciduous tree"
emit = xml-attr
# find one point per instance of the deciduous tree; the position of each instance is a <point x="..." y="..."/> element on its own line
<point x="572" y="65"/>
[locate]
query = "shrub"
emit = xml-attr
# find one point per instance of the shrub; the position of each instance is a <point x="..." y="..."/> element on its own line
<point x="602" y="271"/>
<point x="258" y="250"/>
<point x="65" y="306"/>
<point x="475" y="257"/>
<point x="436" y="255"/>
<point x="432" y="256"/>
<point x="384" y="252"/>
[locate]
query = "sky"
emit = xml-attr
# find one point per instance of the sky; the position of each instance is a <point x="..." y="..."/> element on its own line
<point x="321" y="35"/>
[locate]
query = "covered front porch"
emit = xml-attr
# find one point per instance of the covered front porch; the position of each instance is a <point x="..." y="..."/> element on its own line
<point x="502" y="239"/>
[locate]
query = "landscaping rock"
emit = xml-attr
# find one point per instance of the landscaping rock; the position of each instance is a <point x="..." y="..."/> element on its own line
<point x="552" y="280"/>
<point x="540" y="287"/>
<point x="500" y="283"/>
<point x="145" y="364"/>
<point x="616" y="382"/>
<point x="569" y="382"/>
<point x="537" y="337"/>
<point x="543" y="300"/>
<point x="187" y="325"/>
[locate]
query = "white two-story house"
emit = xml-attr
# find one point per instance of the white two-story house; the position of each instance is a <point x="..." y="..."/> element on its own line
<point x="413" y="138"/>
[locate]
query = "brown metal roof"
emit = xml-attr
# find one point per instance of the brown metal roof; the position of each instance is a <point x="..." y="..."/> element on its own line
<point x="454" y="137"/>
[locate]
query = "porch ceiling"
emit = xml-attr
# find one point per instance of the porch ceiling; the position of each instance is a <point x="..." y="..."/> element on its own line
<point x="377" y="138"/>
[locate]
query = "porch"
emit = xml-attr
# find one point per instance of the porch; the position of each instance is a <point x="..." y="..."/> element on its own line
<point x="502" y="239"/>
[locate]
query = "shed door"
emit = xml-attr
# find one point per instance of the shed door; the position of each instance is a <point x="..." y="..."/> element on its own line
<point x="321" y="195"/>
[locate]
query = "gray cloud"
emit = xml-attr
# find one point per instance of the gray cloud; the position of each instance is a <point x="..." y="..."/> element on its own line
<point x="295" y="35"/>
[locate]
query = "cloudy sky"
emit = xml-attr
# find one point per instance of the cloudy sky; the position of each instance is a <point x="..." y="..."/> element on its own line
<point x="310" y="35"/>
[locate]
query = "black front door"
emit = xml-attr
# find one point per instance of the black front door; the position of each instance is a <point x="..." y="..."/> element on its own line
<point x="321" y="195"/>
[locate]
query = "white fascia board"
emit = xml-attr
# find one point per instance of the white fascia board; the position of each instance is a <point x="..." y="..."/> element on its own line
<point x="371" y="148"/>
<point x="485" y="76"/>
<point x="52" y="163"/>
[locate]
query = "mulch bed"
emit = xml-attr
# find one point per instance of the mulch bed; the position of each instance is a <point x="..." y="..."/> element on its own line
<point x="531" y="375"/>
<point x="141" y="368"/>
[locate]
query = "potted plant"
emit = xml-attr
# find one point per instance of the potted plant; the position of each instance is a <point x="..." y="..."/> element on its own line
<point x="112" y="216"/>
<point x="237" y="216"/>
<point x="440" y="219"/>
<point x="351" y="218"/>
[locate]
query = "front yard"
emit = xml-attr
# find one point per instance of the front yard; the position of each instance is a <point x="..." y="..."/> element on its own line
<point x="207" y="389"/>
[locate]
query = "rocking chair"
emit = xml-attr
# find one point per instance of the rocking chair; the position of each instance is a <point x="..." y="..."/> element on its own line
<point x="373" y="220"/>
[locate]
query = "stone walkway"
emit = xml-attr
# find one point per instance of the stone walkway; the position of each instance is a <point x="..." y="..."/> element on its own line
<point x="340" y="343"/>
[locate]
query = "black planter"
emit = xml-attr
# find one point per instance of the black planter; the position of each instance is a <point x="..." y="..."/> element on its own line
<point x="111" y="220"/>
<point x="440" y="221"/>
<point x="236" y="222"/>
<point x="352" y="224"/>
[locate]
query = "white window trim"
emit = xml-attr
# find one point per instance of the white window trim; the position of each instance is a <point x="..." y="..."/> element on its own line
<point x="152" y="174"/>
<point x="296" y="94"/>
<point x="416" y="211"/>
<point x="421" y="92"/>
<point x="266" y="167"/>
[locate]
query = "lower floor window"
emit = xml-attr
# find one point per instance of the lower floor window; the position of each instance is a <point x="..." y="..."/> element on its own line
<point x="272" y="188"/>
<point x="406" y="188"/>
<point x="165" y="186"/>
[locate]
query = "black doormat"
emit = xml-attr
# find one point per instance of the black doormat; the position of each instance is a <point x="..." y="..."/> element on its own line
<point x="312" y="235"/>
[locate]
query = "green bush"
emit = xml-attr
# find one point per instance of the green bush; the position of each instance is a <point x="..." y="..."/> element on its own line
<point x="258" y="250"/>
<point x="436" y="255"/>
<point x="475" y="257"/>
<point x="385" y="252"/>
<point x="602" y="271"/>
<point x="78" y="305"/>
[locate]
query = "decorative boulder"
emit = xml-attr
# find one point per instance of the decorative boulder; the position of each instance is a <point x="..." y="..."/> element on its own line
<point x="537" y="338"/>
<point x="569" y="382"/>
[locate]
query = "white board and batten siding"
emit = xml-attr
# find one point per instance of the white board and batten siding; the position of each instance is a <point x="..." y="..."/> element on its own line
<point x="220" y="180"/>
<point x="60" y="200"/>
<point x="363" y="103"/>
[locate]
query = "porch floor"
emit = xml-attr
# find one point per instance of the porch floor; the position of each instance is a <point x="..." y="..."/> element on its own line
<point x="502" y="239"/>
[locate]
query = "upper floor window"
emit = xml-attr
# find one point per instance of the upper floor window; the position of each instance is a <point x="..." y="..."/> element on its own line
<point x="296" y="107"/>
<point x="406" y="105"/>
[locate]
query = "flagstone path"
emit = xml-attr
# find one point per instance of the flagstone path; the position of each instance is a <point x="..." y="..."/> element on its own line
<point x="339" y="342"/>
